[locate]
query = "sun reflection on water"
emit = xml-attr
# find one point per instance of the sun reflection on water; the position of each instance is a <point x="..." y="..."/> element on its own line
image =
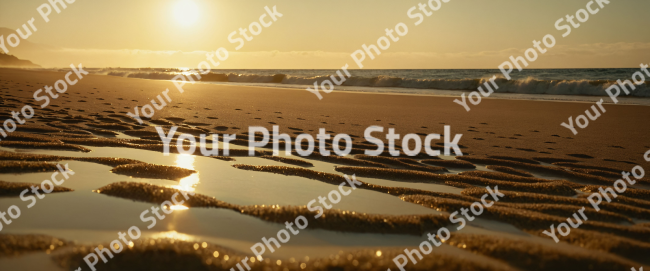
<point x="188" y="183"/>
<point x="178" y="207"/>
<point x="173" y="235"/>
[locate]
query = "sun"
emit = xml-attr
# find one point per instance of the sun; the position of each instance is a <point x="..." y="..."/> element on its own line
<point x="186" y="12"/>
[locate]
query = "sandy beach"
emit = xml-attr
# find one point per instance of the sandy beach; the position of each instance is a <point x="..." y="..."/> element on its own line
<point x="195" y="135"/>
<point x="543" y="171"/>
<point x="495" y="127"/>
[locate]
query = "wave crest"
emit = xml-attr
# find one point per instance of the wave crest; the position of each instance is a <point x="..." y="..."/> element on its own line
<point x="529" y="85"/>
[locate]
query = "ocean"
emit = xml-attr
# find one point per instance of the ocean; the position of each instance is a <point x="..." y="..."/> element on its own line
<point x="586" y="85"/>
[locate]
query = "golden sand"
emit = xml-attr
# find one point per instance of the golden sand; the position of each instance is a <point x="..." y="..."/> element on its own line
<point x="553" y="188"/>
<point x="577" y="165"/>
<point x="544" y="140"/>
<point x="43" y="145"/>
<point x="528" y="255"/>
<point x="166" y="254"/>
<point x="336" y="220"/>
<point x="625" y="200"/>
<point x="641" y="194"/>
<point x="146" y="170"/>
<point x="568" y="211"/>
<point x="448" y="163"/>
<point x="528" y="220"/>
<point x="509" y="170"/>
<point x="522" y="197"/>
<point x="513" y="158"/>
<point x="541" y="168"/>
<point x="338" y="179"/>
<point x="335" y="159"/>
<point x="26" y="167"/>
<point x="10" y="189"/>
<point x="109" y="161"/>
<point x="291" y="161"/>
<point x="12" y="245"/>
<point x="399" y="162"/>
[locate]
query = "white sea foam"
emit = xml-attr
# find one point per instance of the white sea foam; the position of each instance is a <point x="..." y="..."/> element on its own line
<point x="585" y="82"/>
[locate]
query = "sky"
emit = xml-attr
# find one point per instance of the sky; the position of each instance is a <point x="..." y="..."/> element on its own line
<point x="323" y="34"/>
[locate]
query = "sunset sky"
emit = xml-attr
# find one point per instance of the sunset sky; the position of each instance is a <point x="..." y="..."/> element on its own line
<point x="323" y="34"/>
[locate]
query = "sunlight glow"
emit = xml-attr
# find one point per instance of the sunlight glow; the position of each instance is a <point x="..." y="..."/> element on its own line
<point x="178" y="207"/>
<point x="186" y="12"/>
<point x="173" y="235"/>
<point x="188" y="183"/>
<point x="185" y="161"/>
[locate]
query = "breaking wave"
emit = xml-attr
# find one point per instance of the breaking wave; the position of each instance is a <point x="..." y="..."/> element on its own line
<point x="528" y="85"/>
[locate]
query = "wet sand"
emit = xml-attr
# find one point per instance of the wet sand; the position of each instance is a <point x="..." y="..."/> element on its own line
<point x="494" y="127"/>
<point x="543" y="170"/>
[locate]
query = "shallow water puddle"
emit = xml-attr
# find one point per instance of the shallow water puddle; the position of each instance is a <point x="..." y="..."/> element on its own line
<point x="88" y="217"/>
<point x="73" y="212"/>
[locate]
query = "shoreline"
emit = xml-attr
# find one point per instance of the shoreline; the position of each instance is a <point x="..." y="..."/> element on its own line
<point x="397" y="90"/>
<point x="489" y="129"/>
<point x="499" y="137"/>
<point x="261" y="85"/>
